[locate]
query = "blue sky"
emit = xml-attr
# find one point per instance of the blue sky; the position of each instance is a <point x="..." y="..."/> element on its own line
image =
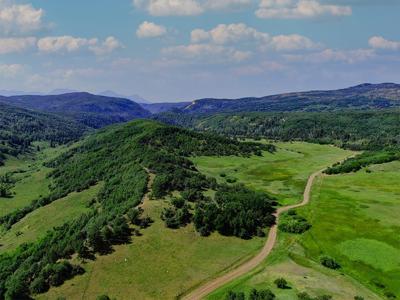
<point x="175" y="50"/>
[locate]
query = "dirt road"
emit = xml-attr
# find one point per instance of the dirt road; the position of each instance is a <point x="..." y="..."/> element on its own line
<point x="216" y="283"/>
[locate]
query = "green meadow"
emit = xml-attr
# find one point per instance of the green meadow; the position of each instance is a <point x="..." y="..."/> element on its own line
<point x="355" y="220"/>
<point x="282" y="174"/>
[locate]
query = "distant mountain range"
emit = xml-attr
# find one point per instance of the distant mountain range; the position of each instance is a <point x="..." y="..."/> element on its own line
<point x="92" y="110"/>
<point x="364" y="96"/>
<point x="101" y="110"/>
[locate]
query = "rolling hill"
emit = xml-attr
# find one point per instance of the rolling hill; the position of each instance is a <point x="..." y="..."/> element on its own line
<point x="364" y="96"/>
<point x="91" y="110"/>
<point x="20" y="127"/>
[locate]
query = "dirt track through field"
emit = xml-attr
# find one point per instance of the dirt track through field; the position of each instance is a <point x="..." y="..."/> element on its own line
<point x="216" y="283"/>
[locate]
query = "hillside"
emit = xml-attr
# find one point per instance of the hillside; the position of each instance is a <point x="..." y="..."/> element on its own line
<point x="156" y="108"/>
<point x="364" y="96"/>
<point x="91" y="110"/>
<point x="358" y="130"/>
<point x="20" y="127"/>
<point x="120" y="157"/>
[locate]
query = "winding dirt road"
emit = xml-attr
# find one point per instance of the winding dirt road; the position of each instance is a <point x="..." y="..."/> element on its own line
<point x="216" y="283"/>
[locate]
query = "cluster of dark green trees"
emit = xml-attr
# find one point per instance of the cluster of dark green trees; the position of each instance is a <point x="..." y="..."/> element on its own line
<point x="118" y="157"/>
<point x="365" y="159"/>
<point x="6" y="183"/>
<point x="253" y="295"/>
<point x="293" y="223"/>
<point x="236" y="210"/>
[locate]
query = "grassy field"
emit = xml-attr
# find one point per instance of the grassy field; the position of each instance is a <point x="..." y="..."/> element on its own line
<point x="31" y="178"/>
<point x="282" y="174"/>
<point x="36" y="224"/>
<point x="364" y="209"/>
<point x="354" y="219"/>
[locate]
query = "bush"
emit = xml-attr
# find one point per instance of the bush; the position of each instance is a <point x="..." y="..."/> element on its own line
<point x="103" y="297"/>
<point x="293" y="223"/>
<point x="358" y="298"/>
<point x="281" y="283"/>
<point x="329" y="262"/>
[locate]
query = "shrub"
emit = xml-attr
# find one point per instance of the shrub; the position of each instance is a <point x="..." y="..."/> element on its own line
<point x="293" y="223"/>
<point x="281" y="283"/>
<point x="329" y="262"/>
<point x="103" y="297"/>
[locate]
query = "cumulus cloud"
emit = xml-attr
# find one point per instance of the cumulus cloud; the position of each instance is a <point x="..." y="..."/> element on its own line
<point x="299" y="9"/>
<point x="378" y="42"/>
<point x="292" y="42"/>
<point x="108" y="46"/>
<point x="63" y="44"/>
<point x="187" y="7"/>
<point x="13" y="45"/>
<point x="170" y="7"/>
<point x="223" y="34"/>
<point x="331" y="55"/>
<point x="215" y="53"/>
<point x="235" y="33"/>
<point x="16" y="19"/>
<point x="10" y="71"/>
<point x="150" y="30"/>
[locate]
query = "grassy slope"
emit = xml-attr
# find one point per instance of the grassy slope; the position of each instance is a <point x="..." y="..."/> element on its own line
<point x="33" y="226"/>
<point x="158" y="265"/>
<point x="32" y="181"/>
<point x="283" y="174"/>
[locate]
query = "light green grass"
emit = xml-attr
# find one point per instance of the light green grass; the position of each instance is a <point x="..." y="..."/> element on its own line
<point x="366" y="251"/>
<point x="161" y="264"/>
<point x="355" y="219"/>
<point x="36" y="224"/>
<point x="282" y="174"/>
<point x="31" y="178"/>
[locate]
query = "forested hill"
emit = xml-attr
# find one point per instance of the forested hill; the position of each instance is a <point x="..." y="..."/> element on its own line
<point x="119" y="157"/>
<point x="91" y="110"/>
<point x="365" y="96"/>
<point x="20" y="127"/>
<point x="357" y="130"/>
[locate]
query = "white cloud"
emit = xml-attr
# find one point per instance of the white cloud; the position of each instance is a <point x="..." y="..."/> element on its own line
<point x="150" y="30"/>
<point x="209" y="52"/>
<point x="13" y="45"/>
<point x="170" y="7"/>
<point x="224" y="34"/>
<point x="226" y="4"/>
<point x="292" y="42"/>
<point x="187" y="7"/>
<point x="19" y="18"/>
<point x="67" y="43"/>
<point x="64" y="44"/>
<point x="246" y="36"/>
<point x="299" y="9"/>
<point x="378" y="42"/>
<point x="331" y="55"/>
<point x="108" y="46"/>
<point x="10" y="71"/>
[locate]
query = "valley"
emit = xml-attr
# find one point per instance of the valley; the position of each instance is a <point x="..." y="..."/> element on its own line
<point x="146" y="210"/>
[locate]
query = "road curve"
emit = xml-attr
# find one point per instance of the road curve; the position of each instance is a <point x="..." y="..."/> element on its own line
<point x="216" y="283"/>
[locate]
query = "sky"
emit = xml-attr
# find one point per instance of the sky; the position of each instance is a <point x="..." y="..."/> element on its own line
<point x="180" y="50"/>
